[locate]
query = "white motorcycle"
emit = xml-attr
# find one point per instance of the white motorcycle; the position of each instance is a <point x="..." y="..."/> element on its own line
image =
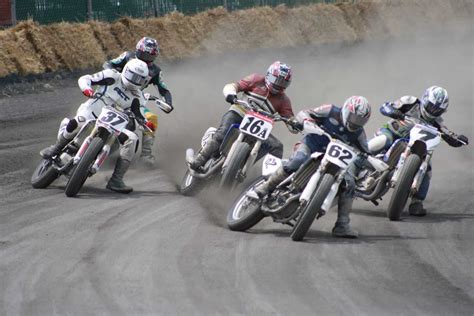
<point x="305" y="195"/>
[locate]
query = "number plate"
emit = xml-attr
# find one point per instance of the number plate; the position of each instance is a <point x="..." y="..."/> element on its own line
<point x="114" y="119"/>
<point x="340" y="154"/>
<point x="257" y="125"/>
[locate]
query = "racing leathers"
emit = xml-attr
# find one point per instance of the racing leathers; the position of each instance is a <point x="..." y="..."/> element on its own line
<point x="155" y="78"/>
<point x="329" y="117"/>
<point x="399" y="127"/>
<point x="256" y="92"/>
<point x="110" y="91"/>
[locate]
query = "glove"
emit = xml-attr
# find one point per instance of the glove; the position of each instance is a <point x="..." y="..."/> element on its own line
<point x="463" y="139"/>
<point x="88" y="92"/>
<point x="150" y="125"/>
<point x="293" y="122"/>
<point x="398" y="115"/>
<point x="231" y="98"/>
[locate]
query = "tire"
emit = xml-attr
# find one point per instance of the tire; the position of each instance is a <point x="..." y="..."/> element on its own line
<point x="44" y="174"/>
<point x="236" y="163"/>
<point x="397" y="150"/>
<point x="238" y="221"/>
<point x="81" y="172"/>
<point x="402" y="187"/>
<point x="311" y="210"/>
<point x="190" y="185"/>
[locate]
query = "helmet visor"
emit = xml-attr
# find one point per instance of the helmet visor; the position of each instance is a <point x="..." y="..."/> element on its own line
<point x="355" y="121"/>
<point x="135" y="78"/>
<point x="146" y="56"/>
<point x="433" y="109"/>
<point x="278" y="83"/>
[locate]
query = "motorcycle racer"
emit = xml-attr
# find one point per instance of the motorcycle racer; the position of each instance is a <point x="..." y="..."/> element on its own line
<point x="147" y="50"/>
<point x="266" y="92"/>
<point x="348" y="123"/>
<point x="430" y="107"/>
<point x="114" y="88"/>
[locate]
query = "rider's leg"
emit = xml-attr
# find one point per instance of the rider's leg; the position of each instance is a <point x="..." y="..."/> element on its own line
<point x="127" y="151"/>
<point x="148" y="140"/>
<point x="382" y="140"/>
<point x="67" y="130"/>
<point x="416" y="206"/>
<point x="301" y="153"/>
<point x="213" y="144"/>
<point x="271" y="145"/>
<point x="342" y="227"/>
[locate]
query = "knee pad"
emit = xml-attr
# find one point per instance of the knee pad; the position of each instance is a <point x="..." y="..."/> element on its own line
<point x="382" y="140"/>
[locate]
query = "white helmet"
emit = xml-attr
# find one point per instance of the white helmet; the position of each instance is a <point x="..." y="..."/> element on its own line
<point x="434" y="102"/>
<point x="355" y="113"/>
<point x="134" y="74"/>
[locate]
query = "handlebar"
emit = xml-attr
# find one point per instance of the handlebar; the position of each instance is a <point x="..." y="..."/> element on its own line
<point x="275" y="116"/>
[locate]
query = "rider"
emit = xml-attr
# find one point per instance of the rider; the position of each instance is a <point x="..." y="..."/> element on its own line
<point x="147" y="50"/>
<point x="268" y="93"/>
<point x="122" y="89"/>
<point x="429" y="108"/>
<point x="346" y="122"/>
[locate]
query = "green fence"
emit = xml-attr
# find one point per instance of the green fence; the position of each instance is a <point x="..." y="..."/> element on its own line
<point x="49" y="11"/>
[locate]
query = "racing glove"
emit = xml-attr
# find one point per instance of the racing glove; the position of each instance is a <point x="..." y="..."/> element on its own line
<point x="231" y="98"/>
<point x="293" y="122"/>
<point x="88" y="92"/>
<point x="150" y="125"/>
<point x="463" y="139"/>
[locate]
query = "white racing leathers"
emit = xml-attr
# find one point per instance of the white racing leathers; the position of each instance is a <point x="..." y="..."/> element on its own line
<point x="110" y="92"/>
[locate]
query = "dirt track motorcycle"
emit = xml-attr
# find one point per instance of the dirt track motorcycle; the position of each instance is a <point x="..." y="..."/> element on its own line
<point x="237" y="153"/>
<point x="413" y="165"/>
<point x="98" y="144"/>
<point x="304" y="195"/>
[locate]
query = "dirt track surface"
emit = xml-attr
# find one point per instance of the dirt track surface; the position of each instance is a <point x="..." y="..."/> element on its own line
<point x="157" y="252"/>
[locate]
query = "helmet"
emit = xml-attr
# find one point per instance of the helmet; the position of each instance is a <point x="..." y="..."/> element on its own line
<point x="134" y="75"/>
<point x="434" y="102"/>
<point x="147" y="49"/>
<point x="355" y="113"/>
<point x="278" y="77"/>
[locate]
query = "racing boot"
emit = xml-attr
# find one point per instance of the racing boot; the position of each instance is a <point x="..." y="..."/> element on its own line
<point x="269" y="185"/>
<point x="342" y="228"/>
<point x="147" y="155"/>
<point x="204" y="154"/>
<point x="416" y="208"/>
<point x="116" y="181"/>
<point x="55" y="149"/>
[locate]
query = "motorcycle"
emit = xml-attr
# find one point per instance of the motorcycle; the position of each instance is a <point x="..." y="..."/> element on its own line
<point x="413" y="165"/>
<point x="237" y="153"/>
<point x="97" y="145"/>
<point x="304" y="195"/>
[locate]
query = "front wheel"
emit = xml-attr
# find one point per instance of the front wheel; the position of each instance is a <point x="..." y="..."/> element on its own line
<point x="311" y="210"/>
<point x="81" y="172"/>
<point x="236" y="163"/>
<point x="245" y="212"/>
<point x="44" y="174"/>
<point x="402" y="187"/>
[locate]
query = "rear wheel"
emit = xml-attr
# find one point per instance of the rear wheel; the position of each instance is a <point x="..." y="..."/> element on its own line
<point x="312" y="209"/>
<point x="81" y="172"/>
<point x="236" y="163"/>
<point x="190" y="185"/>
<point x="44" y="174"/>
<point x="403" y="186"/>
<point x="245" y="212"/>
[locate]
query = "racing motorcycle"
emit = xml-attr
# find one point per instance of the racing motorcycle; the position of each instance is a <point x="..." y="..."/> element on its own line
<point x="48" y="170"/>
<point x="413" y="164"/>
<point x="304" y="195"/>
<point x="237" y="153"/>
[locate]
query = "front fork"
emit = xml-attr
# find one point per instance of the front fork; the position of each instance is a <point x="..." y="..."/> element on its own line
<point x="420" y="175"/>
<point x="104" y="153"/>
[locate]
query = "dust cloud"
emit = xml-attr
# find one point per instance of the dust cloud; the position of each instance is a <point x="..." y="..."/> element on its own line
<point x="380" y="70"/>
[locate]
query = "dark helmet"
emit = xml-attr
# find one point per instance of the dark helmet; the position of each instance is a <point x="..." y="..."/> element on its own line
<point x="147" y="49"/>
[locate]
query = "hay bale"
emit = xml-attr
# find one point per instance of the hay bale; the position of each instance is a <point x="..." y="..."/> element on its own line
<point x="7" y="51"/>
<point x="76" y="45"/>
<point x="103" y="33"/>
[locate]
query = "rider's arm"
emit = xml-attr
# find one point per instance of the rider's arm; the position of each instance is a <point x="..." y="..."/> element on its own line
<point x="400" y="107"/>
<point x="104" y="78"/>
<point x="317" y="114"/>
<point x="162" y="87"/>
<point x="117" y="63"/>
<point x="453" y="139"/>
<point x="362" y="143"/>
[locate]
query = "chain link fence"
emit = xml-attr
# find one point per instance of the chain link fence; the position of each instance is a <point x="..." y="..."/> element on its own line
<point x="50" y="11"/>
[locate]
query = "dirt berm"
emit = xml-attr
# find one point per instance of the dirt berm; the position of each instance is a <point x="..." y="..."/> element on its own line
<point x="30" y="48"/>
